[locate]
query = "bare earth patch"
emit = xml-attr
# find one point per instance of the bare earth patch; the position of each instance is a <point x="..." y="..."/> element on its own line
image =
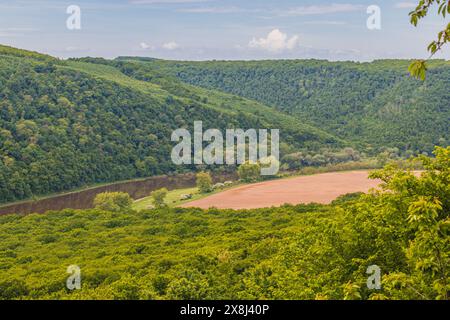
<point x="320" y="188"/>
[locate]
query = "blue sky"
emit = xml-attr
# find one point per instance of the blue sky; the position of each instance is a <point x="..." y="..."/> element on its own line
<point x="219" y="29"/>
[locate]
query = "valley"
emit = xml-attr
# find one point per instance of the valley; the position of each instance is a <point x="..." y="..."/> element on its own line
<point x="87" y="181"/>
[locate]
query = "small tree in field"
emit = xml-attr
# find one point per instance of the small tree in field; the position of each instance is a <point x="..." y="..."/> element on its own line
<point x="113" y="201"/>
<point x="158" y="197"/>
<point x="204" y="182"/>
<point x="249" y="171"/>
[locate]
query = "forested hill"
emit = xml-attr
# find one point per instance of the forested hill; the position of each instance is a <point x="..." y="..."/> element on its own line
<point x="66" y="124"/>
<point x="375" y="103"/>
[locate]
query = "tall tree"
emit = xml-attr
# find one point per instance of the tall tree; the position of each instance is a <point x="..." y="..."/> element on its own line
<point x="418" y="68"/>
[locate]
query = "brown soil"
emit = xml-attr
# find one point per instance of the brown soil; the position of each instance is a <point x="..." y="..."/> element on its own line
<point x="320" y="188"/>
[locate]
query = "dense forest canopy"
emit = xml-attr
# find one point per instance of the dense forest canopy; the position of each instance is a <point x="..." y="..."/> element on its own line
<point x="372" y="104"/>
<point x="70" y="124"/>
<point x="291" y="252"/>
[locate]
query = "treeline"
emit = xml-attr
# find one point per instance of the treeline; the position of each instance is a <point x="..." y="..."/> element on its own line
<point x="330" y="157"/>
<point x="292" y="252"/>
<point x="325" y="157"/>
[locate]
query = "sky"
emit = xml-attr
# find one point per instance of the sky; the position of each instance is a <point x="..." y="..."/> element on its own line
<point x="220" y="29"/>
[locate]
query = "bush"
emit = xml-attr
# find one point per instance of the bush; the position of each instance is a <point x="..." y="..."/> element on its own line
<point x="160" y="284"/>
<point x="126" y="288"/>
<point x="204" y="182"/>
<point x="249" y="171"/>
<point x="158" y="197"/>
<point x="113" y="201"/>
<point x="12" y="289"/>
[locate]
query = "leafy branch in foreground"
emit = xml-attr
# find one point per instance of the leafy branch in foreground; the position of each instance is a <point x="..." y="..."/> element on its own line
<point x="418" y="68"/>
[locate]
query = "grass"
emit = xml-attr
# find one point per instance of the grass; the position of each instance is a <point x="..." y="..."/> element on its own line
<point x="173" y="197"/>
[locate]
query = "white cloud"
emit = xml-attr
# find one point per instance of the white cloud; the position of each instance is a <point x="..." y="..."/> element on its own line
<point x="146" y="46"/>
<point x="405" y="5"/>
<point x="275" y="42"/>
<point x="172" y="45"/>
<point x="322" y="9"/>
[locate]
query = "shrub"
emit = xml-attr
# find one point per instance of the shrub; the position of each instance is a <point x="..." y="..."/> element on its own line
<point x="158" y="197"/>
<point x="113" y="201"/>
<point x="12" y="289"/>
<point x="204" y="182"/>
<point x="249" y="171"/>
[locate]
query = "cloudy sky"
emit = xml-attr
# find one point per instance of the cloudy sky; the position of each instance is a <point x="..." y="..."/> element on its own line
<point x="219" y="29"/>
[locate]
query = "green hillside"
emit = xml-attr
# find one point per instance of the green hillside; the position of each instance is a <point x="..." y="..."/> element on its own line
<point x="70" y="124"/>
<point x="367" y="103"/>
<point x="66" y="124"/>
